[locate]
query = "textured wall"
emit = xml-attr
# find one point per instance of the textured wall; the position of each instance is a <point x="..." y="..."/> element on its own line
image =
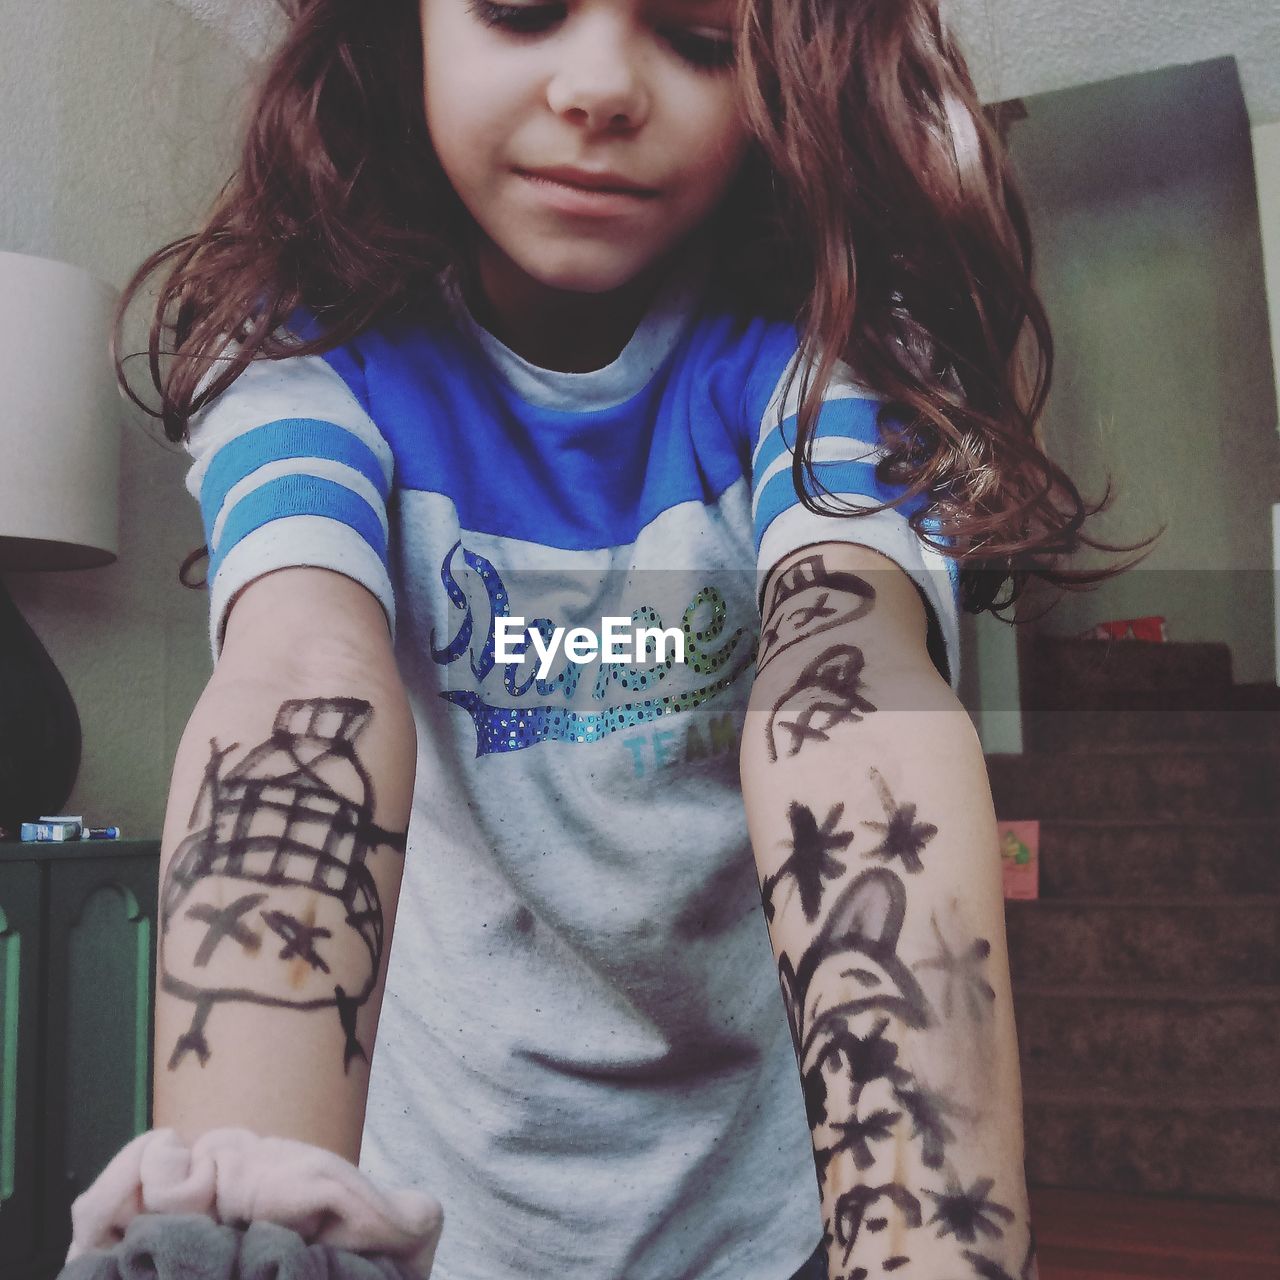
<point x="115" y="120"/>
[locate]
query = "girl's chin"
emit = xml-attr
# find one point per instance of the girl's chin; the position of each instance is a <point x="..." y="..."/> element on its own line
<point x="580" y="277"/>
<point x="568" y="264"/>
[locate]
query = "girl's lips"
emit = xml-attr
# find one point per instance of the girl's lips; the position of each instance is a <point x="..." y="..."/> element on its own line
<point x="567" y="198"/>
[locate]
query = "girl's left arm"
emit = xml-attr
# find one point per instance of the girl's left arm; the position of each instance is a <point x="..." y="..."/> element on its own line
<point x="871" y="819"/>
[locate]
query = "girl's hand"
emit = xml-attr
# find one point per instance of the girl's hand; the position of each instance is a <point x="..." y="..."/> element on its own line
<point x="234" y="1177"/>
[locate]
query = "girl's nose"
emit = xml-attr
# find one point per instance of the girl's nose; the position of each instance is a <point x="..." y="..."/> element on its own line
<point x="598" y="83"/>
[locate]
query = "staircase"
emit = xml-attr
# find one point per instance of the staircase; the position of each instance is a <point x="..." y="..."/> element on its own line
<point x="1147" y="976"/>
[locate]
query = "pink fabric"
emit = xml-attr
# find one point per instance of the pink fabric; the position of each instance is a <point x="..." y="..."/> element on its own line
<point x="235" y="1176"/>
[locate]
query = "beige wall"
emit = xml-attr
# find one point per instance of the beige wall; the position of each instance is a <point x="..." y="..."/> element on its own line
<point x="115" y="123"/>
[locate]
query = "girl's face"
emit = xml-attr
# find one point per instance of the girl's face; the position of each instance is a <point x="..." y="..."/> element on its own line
<point x="634" y="92"/>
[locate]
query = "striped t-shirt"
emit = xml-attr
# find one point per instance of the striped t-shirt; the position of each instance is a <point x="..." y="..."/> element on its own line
<point x="583" y="1051"/>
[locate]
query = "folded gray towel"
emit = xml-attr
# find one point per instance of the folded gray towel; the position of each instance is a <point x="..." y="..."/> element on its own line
<point x="187" y="1247"/>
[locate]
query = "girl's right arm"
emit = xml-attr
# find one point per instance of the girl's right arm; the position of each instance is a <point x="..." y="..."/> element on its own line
<point x="280" y="867"/>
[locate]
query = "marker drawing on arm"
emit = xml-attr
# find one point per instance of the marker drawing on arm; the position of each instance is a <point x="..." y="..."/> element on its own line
<point x="902" y="1194"/>
<point x="810" y="599"/>
<point x="283" y="837"/>
<point x="888" y="1145"/>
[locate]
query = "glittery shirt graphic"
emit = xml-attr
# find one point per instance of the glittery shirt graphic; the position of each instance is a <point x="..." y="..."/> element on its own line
<point x="529" y="710"/>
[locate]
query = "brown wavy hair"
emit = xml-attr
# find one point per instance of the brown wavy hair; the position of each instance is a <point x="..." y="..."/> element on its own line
<point x="876" y="209"/>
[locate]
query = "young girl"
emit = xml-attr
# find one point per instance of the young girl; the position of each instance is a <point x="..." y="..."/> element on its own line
<point x="699" y="315"/>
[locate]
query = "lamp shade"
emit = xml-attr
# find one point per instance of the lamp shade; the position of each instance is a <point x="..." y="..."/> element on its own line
<point x="59" y="418"/>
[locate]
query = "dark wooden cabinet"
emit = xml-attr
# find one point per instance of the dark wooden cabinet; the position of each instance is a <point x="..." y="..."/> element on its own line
<point x="77" y="969"/>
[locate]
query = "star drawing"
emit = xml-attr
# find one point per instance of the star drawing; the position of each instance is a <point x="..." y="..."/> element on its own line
<point x="963" y="971"/>
<point x="966" y="1214"/>
<point x="857" y="1135"/>
<point x="904" y="837"/>
<point x="812" y="859"/>
<point x="928" y="1111"/>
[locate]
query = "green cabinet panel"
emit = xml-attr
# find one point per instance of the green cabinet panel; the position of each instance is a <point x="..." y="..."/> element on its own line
<point x="88" y="1091"/>
<point x="21" y="1153"/>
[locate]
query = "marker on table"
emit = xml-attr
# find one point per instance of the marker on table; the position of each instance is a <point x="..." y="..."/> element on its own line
<point x="100" y="833"/>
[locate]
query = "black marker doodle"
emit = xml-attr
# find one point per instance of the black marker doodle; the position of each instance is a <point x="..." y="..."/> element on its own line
<point x="865" y="922"/>
<point x="813" y="1085"/>
<point x="986" y="1268"/>
<point x="962" y="971"/>
<point x="857" y="1135"/>
<point x="966" y="1214"/>
<point x="827" y="693"/>
<point x="299" y="939"/>
<point x="862" y="1060"/>
<point x="819" y="600"/>
<point x="225" y="922"/>
<point x="811" y="861"/>
<point x="928" y="1110"/>
<point x="866" y="1058"/>
<point x="212" y="774"/>
<point x="296" y="813"/>
<point x="348" y="1008"/>
<point x="904" y="837"/>
<point x="852" y="1207"/>
<point x="849" y="998"/>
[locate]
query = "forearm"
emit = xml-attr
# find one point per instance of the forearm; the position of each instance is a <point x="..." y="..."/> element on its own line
<point x="875" y="840"/>
<point x="280" y="870"/>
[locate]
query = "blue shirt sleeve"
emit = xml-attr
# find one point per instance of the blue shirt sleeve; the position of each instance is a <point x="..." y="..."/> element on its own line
<point x="846" y="450"/>
<point x="290" y="470"/>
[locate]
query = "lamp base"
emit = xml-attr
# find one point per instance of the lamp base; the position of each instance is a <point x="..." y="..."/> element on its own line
<point x="39" y="726"/>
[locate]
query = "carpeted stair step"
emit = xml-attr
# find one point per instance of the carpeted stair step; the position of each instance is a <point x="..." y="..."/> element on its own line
<point x="1147" y="1035"/>
<point x="1098" y="859"/>
<point x="1200" y="942"/>
<point x="1064" y="673"/>
<point x="1188" y="785"/>
<point x="1215" y="1142"/>
<point x="1153" y="728"/>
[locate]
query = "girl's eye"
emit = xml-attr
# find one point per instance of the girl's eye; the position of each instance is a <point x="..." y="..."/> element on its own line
<point x="707" y="53"/>
<point x="523" y="19"/>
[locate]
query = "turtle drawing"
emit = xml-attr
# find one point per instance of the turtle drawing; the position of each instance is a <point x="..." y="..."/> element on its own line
<point x="274" y="877"/>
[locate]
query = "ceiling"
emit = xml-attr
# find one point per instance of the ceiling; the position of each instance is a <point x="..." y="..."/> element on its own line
<point x="1022" y="47"/>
